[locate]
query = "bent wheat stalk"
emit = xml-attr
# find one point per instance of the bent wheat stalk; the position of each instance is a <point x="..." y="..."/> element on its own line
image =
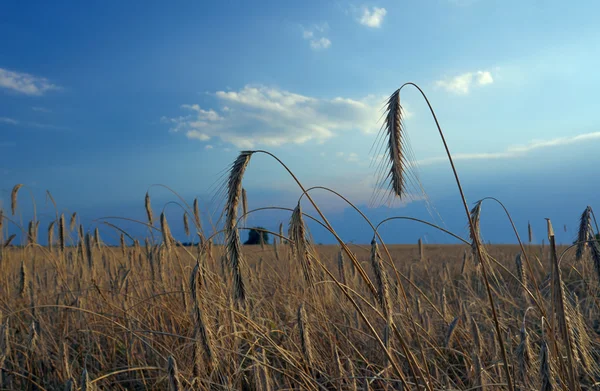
<point x="394" y="132"/>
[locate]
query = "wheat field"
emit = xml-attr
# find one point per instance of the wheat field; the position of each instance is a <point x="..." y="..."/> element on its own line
<point x="79" y="314"/>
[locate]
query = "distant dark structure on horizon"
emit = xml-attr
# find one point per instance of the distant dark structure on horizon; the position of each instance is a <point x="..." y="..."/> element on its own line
<point x="257" y="235"/>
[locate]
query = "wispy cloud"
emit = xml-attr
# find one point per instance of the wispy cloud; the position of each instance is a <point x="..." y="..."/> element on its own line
<point x="518" y="150"/>
<point x="10" y="121"/>
<point x="37" y="125"/>
<point x="25" y="83"/>
<point x="315" y="35"/>
<point x="351" y="157"/>
<point x="260" y="115"/>
<point x="41" y="109"/>
<point x="462" y="84"/>
<point x="372" y="17"/>
<point x="45" y="126"/>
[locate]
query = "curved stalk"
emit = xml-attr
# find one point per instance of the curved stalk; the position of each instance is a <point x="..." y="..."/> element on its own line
<point x="477" y="243"/>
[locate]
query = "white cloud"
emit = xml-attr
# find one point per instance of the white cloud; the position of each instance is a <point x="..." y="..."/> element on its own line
<point x="372" y="18"/>
<point x="316" y="36"/>
<point x="194" y="134"/>
<point x="260" y="115"/>
<point x="462" y="84"/>
<point x="25" y="83"/>
<point x="517" y="150"/>
<point x="208" y="147"/>
<point x="352" y="157"/>
<point x="10" y="121"/>
<point x="321" y="43"/>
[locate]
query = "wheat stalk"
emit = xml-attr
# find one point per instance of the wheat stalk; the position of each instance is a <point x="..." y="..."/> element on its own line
<point x="381" y="278"/>
<point x="173" y="373"/>
<point x="1" y="224"/>
<point x="22" y="279"/>
<point x="245" y="206"/>
<point x="51" y="235"/>
<point x="341" y="269"/>
<point x="305" y="340"/>
<point x="232" y="236"/>
<point x="583" y="342"/>
<point x="585" y="233"/>
<point x="545" y="369"/>
<point x="450" y="332"/>
<point x="302" y="248"/>
<point x="89" y="251"/>
<point x="148" y="206"/>
<point x="31" y="232"/>
<point x="475" y="233"/>
<point x="9" y="240"/>
<point x="201" y="332"/>
<point x="523" y="354"/>
<point x="477" y="341"/>
<point x="13" y="198"/>
<point x="166" y="232"/>
<point x="122" y="242"/>
<point x="86" y="385"/>
<point x="73" y="221"/>
<point x="186" y="224"/>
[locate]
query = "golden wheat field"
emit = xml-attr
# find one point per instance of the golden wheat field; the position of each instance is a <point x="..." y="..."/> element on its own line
<point x="160" y="316"/>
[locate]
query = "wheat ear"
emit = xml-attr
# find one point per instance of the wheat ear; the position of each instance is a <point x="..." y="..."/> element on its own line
<point x="232" y="236"/>
<point x="13" y="198"/>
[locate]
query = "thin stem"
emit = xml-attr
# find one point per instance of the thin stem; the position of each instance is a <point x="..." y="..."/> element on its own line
<point x="477" y="244"/>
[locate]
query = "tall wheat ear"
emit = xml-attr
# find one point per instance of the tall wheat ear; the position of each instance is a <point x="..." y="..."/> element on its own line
<point x="232" y="236"/>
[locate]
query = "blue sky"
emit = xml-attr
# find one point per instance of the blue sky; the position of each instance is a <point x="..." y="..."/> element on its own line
<point x="98" y="101"/>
